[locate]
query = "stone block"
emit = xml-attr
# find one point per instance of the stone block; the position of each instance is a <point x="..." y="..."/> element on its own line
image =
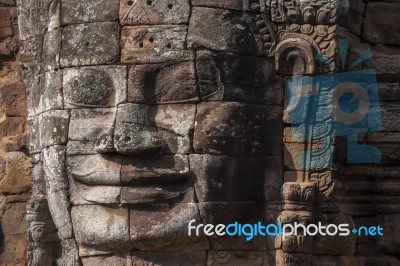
<point x="238" y="129"/>
<point x="227" y="178"/>
<point x="241" y="212"/>
<point x="5" y="23"/>
<point x="180" y="191"/>
<point x="38" y="181"/>
<point x="154" y="12"/>
<point x="51" y="50"/>
<point x="154" y="169"/>
<point x="111" y="260"/>
<point x="390" y="117"/>
<point x="15" y="175"/>
<point x="89" y="125"/>
<point x="389" y="91"/>
<point x="385" y="60"/>
<point x="383" y="137"/>
<point x="144" y="129"/>
<point x="53" y="127"/>
<point x="12" y="126"/>
<point x="95" y="169"/>
<point x="33" y="139"/>
<point x="102" y="86"/>
<point x="59" y="205"/>
<point x="90" y="44"/>
<point x="351" y="16"/>
<point x="238" y="258"/>
<point x="164" y="227"/>
<point x="77" y="147"/>
<point x="13" y="99"/>
<point x="162" y="83"/>
<point x="221" y="30"/>
<point x="238" y="78"/>
<point x="195" y="258"/>
<point x="41" y="53"/>
<point x="102" y="228"/>
<point x="54" y="168"/>
<point x="75" y="11"/>
<point x="13" y="222"/>
<point x="14" y="251"/>
<point x="82" y="194"/>
<point x="154" y="44"/>
<point x="30" y="54"/>
<point x="390" y="153"/>
<point x="44" y="92"/>
<point x="379" y="17"/>
<point x="240" y="5"/>
<point x="35" y="17"/>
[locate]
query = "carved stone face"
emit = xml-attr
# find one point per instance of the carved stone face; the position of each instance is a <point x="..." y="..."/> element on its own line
<point x="148" y="122"/>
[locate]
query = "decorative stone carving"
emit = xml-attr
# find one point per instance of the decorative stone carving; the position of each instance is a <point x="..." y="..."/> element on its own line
<point x="264" y="31"/>
<point x="145" y="115"/>
<point x="298" y="46"/>
<point x="307" y="12"/>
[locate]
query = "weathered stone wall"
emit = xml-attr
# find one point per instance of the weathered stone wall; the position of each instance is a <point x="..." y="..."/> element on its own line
<point x="15" y="166"/>
<point x="200" y="77"/>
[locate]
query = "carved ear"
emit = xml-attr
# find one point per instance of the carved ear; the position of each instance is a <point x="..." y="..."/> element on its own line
<point x="295" y="56"/>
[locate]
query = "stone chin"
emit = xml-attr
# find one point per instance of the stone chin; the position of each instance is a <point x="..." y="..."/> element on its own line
<point x="109" y="229"/>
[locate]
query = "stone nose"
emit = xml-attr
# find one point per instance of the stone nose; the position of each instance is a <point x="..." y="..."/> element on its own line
<point x="135" y="139"/>
<point x="131" y="133"/>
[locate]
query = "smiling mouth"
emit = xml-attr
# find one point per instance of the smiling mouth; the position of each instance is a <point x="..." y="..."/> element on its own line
<point x="131" y="180"/>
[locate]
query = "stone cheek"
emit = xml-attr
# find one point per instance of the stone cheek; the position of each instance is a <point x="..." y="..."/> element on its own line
<point x="238" y="129"/>
<point x="238" y="78"/>
<point x="219" y="178"/>
<point x="158" y="83"/>
<point x="101" y="229"/>
<point x="88" y="125"/>
<point x="49" y="128"/>
<point x="164" y="227"/>
<point x="90" y="44"/>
